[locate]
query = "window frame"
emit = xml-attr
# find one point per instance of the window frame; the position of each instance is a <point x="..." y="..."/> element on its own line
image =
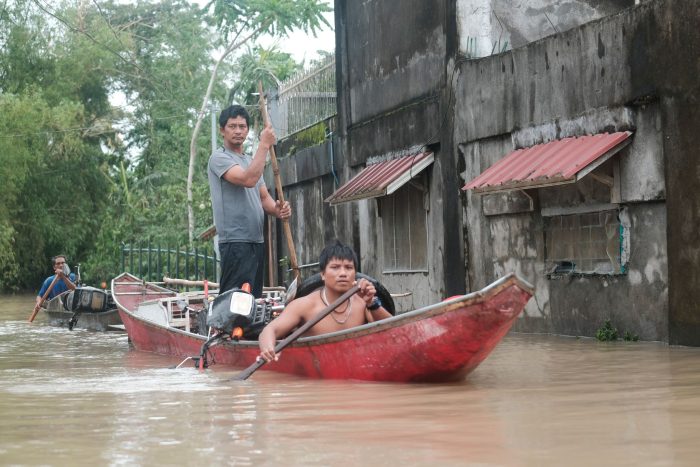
<point x="419" y="184"/>
<point x="623" y="242"/>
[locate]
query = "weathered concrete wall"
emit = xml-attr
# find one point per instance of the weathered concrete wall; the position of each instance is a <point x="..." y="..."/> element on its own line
<point x="636" y="70"/>
<point x="492" y="26"/>
<point x="308" y="179"/>
<point x="392" y="97"/>
<point x="412" y="125"/>
<point x="393" y="74"/>
<point x="395" y="55"/>
<point x="675" y="28"/>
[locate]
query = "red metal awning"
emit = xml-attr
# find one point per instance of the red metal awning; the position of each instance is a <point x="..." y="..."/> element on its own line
<point x="382" y="178"/>
<point x="557" y="162"/>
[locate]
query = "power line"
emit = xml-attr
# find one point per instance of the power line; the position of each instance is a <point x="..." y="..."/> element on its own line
<point x="86" y="34"/>
<point x="106" y="47"/>
<point x="78" y="129"/>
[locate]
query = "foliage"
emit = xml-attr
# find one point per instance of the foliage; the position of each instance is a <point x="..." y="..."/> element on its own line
<point x="628" y="336"/>
<point x="607" y="332"/>
<point x="309" y="137"/>
<point x="260" y="64"/>
<point x="273" y="17"/>
<point x="53" y="175"/>
<point x="170" y="52"/>
<point x="80" y="175"/>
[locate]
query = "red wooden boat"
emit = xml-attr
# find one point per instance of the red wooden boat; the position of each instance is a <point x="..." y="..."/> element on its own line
<point x="437" y="343"/>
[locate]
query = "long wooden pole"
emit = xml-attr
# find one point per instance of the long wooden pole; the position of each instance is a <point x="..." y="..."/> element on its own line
<point x="278" y="188"/>
<point x="245" y="374"/>
<point x="270" y="262"/>
<point x="43" y="299"/>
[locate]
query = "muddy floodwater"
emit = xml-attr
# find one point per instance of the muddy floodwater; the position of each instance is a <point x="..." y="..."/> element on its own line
<point x="73" y="398"/>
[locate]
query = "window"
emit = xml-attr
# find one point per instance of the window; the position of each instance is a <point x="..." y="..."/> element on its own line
<point x="585" y="243"/>
<point x="404" y="228"/>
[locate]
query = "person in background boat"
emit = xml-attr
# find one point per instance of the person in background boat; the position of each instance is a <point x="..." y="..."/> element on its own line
<point x="59" y="267"/>
<point x="338" y="263"/>
<point x="240" y="200"/>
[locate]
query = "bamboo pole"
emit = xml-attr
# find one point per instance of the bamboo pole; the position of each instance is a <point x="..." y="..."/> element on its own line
<point x="278" y="188"/>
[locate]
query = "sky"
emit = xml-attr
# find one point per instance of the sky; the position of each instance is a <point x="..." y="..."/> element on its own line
<point x="306" y="47"/>
<point x="300" y="45"/>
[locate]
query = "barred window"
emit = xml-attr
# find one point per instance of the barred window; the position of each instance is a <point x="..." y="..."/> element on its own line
<point x="589" y="243"/>
<point x="404" y="227"/>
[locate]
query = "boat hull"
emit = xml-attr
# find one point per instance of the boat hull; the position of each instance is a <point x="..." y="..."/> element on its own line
<point x="57" y="315"/>
<point x="442" y="342"/>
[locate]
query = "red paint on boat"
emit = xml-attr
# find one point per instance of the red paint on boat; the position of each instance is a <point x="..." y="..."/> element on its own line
<point x="441" y="342"/>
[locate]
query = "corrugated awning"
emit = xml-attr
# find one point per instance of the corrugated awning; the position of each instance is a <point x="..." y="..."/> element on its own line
<point x="557" y="162"/>
<point x="382" y="178"/>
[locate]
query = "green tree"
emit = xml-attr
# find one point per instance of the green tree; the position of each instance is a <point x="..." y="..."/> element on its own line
<point x="169" y="44"/>
<point x="268" y="65"/>
<point x="80" y="175"/>
<point x="54" y="119"/>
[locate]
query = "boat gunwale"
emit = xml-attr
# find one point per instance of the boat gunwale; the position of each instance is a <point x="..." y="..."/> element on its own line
<point x="426" y="312"/>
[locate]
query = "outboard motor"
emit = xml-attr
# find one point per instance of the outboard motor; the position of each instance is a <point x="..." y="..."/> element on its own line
<point x="236" y="314"/>
<point x="88" y="299"/>
<point x="238" y="308"/>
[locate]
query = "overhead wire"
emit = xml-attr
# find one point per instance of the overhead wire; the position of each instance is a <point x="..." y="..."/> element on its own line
<point x="78" y="129"/>
<point x="84" y="33"/>
<point x="128" y="61"/>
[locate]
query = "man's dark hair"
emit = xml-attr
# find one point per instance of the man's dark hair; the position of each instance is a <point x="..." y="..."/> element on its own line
<point x="53" y="260"/>
<point x="233" y="111"/>
<point x="336" y="250"/>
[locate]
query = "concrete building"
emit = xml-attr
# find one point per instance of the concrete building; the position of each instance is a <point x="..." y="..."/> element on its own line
<point x="454" y="87"/>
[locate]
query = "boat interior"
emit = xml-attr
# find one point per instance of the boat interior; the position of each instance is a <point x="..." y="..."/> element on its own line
<point x="187" y="311"/>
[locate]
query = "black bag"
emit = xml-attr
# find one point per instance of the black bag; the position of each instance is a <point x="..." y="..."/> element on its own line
<point x="87" y="299"/>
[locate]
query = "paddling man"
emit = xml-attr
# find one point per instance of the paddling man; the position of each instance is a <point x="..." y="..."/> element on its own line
<point x="338" y="264"/>
<point x="240" y="200"/>
<point x="59" y="262"/>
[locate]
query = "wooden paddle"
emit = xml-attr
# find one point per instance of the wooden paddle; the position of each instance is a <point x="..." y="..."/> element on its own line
<point x="245" y="374"/>
<point x="280" y="195"/>
<point x="43" y="299"/>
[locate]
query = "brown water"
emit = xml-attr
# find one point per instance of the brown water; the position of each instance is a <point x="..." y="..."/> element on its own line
<point x="80" y="398"/>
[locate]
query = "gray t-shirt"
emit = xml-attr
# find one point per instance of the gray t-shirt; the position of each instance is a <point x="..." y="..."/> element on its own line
<point x="238" y="212"/>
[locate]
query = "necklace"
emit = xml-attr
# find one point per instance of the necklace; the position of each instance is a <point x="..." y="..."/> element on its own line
<point x="347" y="311"/>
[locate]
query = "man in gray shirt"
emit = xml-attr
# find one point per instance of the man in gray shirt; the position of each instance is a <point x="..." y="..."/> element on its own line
<point x="240" y="200"/>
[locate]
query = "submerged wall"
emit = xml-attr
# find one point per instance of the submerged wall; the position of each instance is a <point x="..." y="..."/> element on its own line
<point x="409" y="85"/>
<point x="637" y="71"/>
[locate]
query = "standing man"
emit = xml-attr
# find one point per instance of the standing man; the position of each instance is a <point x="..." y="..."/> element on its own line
<point x="240" y="200"/>
<point x="62" y="284"/>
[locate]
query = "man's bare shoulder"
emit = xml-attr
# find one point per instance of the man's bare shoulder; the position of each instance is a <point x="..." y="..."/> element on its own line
<point x="306" y="305"/>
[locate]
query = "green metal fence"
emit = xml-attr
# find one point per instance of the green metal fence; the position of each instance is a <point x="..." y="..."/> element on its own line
<point x="152" y="263"/>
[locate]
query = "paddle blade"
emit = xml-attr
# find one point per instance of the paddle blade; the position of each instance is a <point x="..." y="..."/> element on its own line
<point x="34" y="313"/>
<point x="245" y="374"/>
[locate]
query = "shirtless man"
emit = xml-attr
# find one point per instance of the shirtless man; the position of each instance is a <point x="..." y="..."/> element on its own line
<point x="338" y="264"/>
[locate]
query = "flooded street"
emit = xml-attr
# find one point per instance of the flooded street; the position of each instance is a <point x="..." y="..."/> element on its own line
<point x="83" y="398"/>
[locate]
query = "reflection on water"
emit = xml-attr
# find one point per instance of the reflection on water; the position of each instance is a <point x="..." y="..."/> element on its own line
<point x="83" y="398"/>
